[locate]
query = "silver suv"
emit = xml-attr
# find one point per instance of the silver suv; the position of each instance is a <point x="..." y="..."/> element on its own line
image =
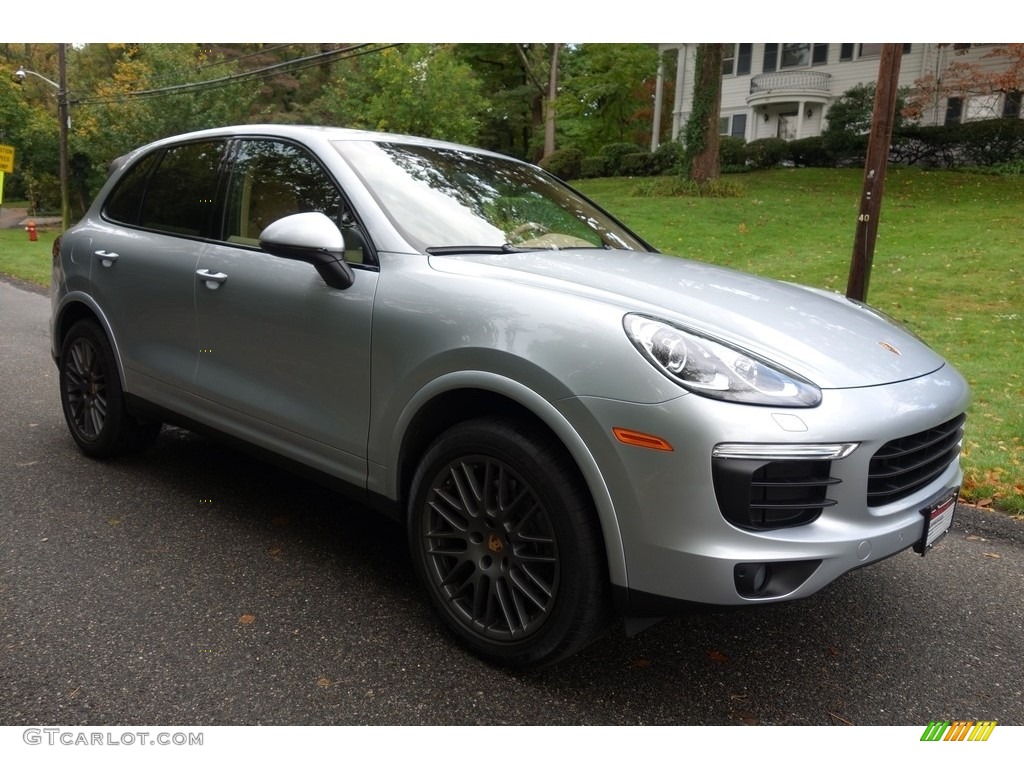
<point x="569" y="424"/>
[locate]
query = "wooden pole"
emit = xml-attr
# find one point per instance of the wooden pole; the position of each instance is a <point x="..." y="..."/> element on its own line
<point x="879" y="140"/>
<point x="63" y="114"/>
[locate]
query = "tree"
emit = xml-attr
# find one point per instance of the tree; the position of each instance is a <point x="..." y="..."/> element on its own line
<point x="422" y="89"/>
<point x="514" y="76"/>
<point x="134" y="87"/>
<point x="998" y="72"/>
<point x="606" y="95"/>
<point x="701" y="138"/>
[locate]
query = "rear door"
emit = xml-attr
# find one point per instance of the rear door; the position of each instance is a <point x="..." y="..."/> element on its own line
<point x="144" y="261"/>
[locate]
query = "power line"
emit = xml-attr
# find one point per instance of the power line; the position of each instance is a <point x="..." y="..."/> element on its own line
<point x="293" y="65"/>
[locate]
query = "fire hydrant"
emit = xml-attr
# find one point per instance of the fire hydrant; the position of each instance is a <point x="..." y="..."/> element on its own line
<point x="31" y="229"/>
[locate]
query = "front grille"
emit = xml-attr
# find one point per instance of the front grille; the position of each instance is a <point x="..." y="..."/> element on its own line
<point x="766" y="495"/>
<point x="905" y="465"/>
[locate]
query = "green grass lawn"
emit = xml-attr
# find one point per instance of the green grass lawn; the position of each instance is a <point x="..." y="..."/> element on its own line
<point x="22" y="258"/>
<point x="948" y="263"/>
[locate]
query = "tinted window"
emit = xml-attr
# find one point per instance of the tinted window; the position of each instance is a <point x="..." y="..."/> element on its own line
<point x="271" y="180"/>
<point x="125" y="201"/>
<point x="181" y="192"/>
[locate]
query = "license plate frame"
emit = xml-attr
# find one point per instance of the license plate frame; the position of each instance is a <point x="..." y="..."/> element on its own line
<point x="938" y="519"/>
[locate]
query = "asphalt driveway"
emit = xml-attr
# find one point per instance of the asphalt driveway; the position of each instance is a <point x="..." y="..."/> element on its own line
<point x="193" y="585"/>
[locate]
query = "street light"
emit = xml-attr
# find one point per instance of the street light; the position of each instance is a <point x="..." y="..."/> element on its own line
<point x="64" y="116"/>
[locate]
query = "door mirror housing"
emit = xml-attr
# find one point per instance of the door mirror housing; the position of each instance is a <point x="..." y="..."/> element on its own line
<point x="313" y="238"/>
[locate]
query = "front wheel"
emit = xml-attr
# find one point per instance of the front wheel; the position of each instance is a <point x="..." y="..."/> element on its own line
<point x="504" y="535"/>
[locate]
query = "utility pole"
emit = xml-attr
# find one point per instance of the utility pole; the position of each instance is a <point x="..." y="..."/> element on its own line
<point x="879" y="140"/>
<point x="63" y="114"/>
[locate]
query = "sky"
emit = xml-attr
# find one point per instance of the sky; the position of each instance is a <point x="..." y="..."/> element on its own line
<point x="520" y="20"/>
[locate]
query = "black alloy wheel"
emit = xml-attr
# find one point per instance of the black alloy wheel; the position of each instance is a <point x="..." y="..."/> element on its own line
<point x="91" y="396"/>
<point x="505" y="538"/>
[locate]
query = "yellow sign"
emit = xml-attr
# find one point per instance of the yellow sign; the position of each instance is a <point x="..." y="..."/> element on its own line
<point x="6" y="159"/>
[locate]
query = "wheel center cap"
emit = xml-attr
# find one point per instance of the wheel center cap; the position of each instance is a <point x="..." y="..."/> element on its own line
<point x="495" y="544"/>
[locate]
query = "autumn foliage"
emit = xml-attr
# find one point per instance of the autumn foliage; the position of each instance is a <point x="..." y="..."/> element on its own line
<point x="1000" y="71"/>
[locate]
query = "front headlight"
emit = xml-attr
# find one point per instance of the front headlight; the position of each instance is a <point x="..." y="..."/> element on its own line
<point x="715" y="369"/>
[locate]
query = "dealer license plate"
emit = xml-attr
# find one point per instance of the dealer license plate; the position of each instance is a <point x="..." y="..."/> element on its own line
<point x="937" y="520"/>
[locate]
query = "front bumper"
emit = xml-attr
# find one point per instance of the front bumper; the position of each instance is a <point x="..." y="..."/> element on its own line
<point x="677" y="545"/>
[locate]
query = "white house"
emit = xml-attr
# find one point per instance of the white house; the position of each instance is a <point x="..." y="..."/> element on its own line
<point x="785" y="89"/>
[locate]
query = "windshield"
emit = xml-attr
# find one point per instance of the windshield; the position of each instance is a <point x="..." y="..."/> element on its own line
<point x="450" y="198"/>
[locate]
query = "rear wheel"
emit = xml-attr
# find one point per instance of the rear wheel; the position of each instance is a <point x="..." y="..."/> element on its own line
<point x="91" y="396"/>
<point x="504" y="535"/>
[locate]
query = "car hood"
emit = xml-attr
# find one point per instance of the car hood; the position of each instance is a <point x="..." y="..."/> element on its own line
<point x="822" y="336"/>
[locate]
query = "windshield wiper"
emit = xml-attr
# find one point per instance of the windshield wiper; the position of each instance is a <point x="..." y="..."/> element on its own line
<point x="456" y="250"/>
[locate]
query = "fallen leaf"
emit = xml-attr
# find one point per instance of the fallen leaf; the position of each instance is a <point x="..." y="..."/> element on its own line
<point x="972" y="537"/>
<point x="641" y="663"/>
<point x="113" y="521"/>
<point x="833" y="651"/>
<point x="279" y="522"/>
<point x="324" y="682"/>
<point x="246" y="618"/>
<point x="275" y="551"/>
<point x="717" y="656"/>
<point x="983" y="503"/>
<point x="992" y="555"/>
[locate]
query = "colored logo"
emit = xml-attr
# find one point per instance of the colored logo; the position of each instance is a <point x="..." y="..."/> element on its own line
<point x="958" y="730"/>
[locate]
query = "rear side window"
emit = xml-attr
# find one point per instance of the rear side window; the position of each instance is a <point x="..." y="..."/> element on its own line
<point x="125" y="201"/>
<point x="171" y="192"/>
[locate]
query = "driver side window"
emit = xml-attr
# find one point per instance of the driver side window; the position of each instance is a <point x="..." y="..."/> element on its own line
<point x="271" y="180"/>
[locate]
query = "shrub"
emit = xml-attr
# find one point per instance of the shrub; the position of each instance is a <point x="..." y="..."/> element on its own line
<point x="667" y="158"/>
<point x="1012" y="168"/>
<point x="989" y="142"/>
<point x="593" y="168"/>
<point x="767" y="153"/>
<point x="677" y="186"/>
<point x="613" y="154"/>
<point x="979" y="143"/>
<point x="563" y="163"/>
<point x="637" y="164"/>
<point x="811" y="152"/>
<point x="732" y="151"/>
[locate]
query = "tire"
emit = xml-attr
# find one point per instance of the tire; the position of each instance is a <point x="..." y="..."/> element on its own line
<point x="504" y="535"/>
<point x="92" y="399"/>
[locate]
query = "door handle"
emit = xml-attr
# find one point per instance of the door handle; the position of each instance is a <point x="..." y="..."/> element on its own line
<point x="212" y="279"/>
<point x="107" y="259"/>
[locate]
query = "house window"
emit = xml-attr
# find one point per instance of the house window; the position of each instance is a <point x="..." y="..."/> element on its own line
<point x="954" y="108"/>
<point x="795" y="55"/>
<point x="771" y="56"/>
<point x="803" y="55"/>
<point x="736" y="58"/>
<point x="1011" y="104"/>
<point x="982" y="107"/>
<point x="735" y="125"/>
<point x="846" y="51"/>
<point x="743" y="57"/>
<point x="870" y="49"/>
